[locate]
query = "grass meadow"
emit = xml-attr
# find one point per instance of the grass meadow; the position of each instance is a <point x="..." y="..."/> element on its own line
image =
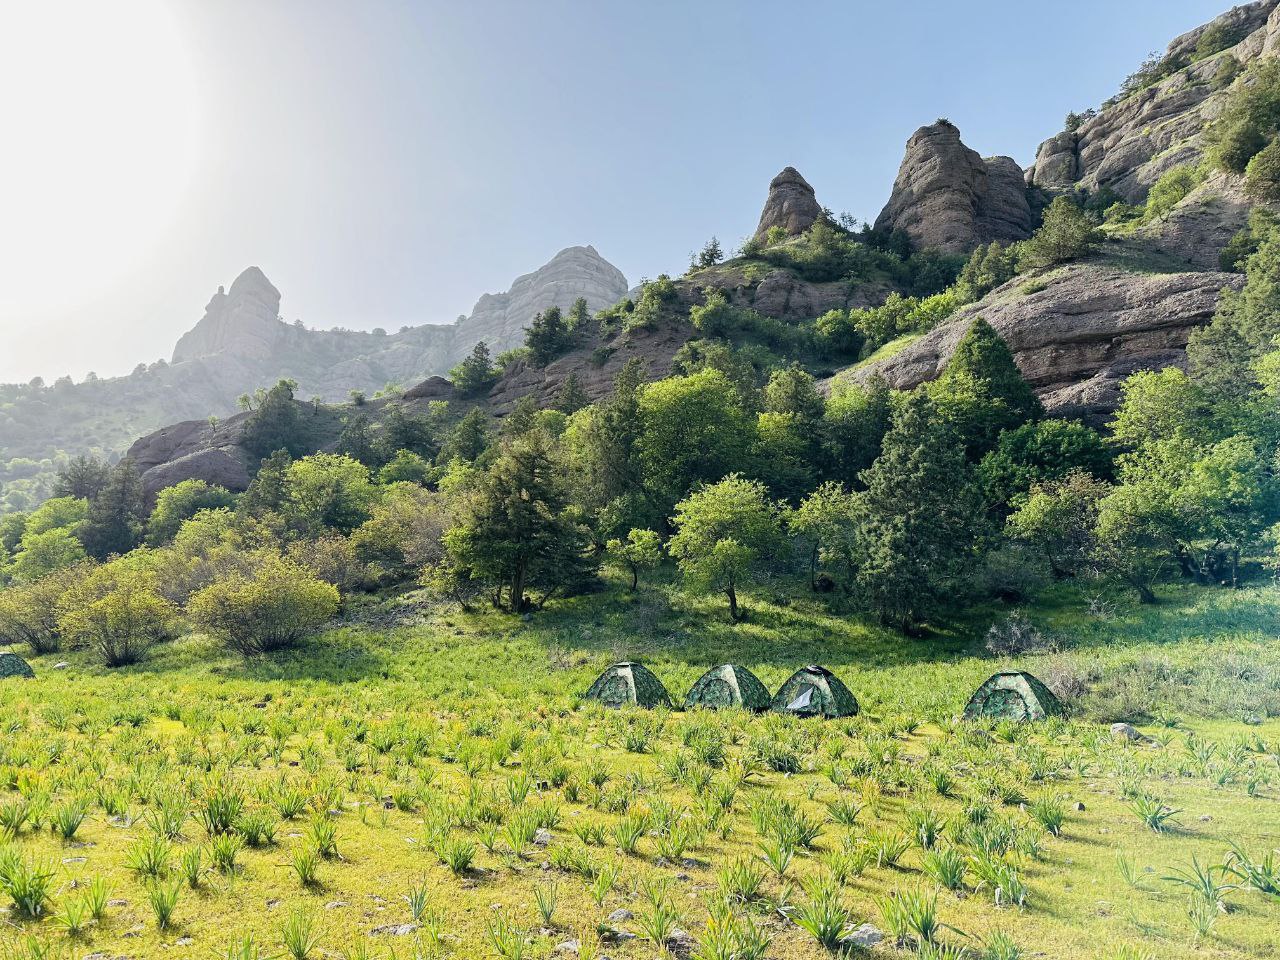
<point x="428" y="783"/>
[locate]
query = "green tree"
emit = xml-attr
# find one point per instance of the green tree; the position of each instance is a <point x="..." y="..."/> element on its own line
<point x="83" y="477"/>
<point x="275" y="423"/>
<point x="578" y="315"/>
<point x="357" y="439"/>
<point x="476" y="373"/>
<point x="710" y="254"/>
<point x="922" y="518"/>
<point x="1066" y="234"/>
<point x="981" y="391"/>
<point x="546" y="337"/>
<point x="405" y="467"/>
<point x="404" y="430"/>
<point x="692" y="429"/>
<point x="469" y="438"/>
<point x="854" y="424"/>
<point x="641" y="550"/>
<point x="828" y="518"/>
<point x="272" y="606"/>
<point x="726" y="533"/>
<point x="117" y="515"/>
<point x="571" y="397"/>
<point x="56" y="513"/>
<point x="29" y="614"/>
<point x="327" y="491"/>
<point x="40" y="554"/>
<point x="514" y="530"/>
<point x="1038" y="452"/>
<point x="181" y="502"/>
<point x="792" y="390"/>
<point x="1059" y="518"/>
<point x="266" y="492"/>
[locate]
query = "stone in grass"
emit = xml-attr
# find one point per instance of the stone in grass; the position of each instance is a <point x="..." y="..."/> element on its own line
<point x="620" y="916"/>
<point x="394" y="930"/>
<point x="864" y="937"/>
<point x="1125" y="731"/>
<point x="568" y="948"/>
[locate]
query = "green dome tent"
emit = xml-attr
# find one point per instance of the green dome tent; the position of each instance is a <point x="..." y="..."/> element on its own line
<point x="627" y="682"/>
<point x="815" y="692"/>
<point x="1012" y="696"/>
<point x="12" y="665"/>
<point x="728" y="685"/>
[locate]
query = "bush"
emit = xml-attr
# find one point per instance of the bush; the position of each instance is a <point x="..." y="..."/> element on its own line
<point x="1262" y="175"/>
<point x="181" y="502"/>
<point x="1015" y="636"/>
<point x="28" y="612"/>
<point x="1250" y="119"/>
<point x="1170" y="190"/>
<point x="273" y="606"/>
<point x="118" y="612"/>
<point x="1066" y="234"/>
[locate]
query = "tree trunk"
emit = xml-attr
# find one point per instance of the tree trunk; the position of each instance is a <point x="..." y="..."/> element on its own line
<point x="517" y="588"/>
<point x="733" y="602"/>
<point x="1145" y="594"/>
<point x="635" y="577"/>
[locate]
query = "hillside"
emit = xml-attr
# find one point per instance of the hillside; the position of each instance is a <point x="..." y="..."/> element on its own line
<point x="241" y="343"/>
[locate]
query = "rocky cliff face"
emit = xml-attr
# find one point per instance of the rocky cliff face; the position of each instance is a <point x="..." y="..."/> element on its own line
<point x="1131" y="142"/>
<point x="791" y="205"/>
<point x="1076" y="337"/>
<point x="500" y="319"/>
<point x="948" y="197"/>
<point x="242" y="336"/>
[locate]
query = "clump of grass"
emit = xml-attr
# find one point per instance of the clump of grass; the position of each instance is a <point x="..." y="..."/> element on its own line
<point x="300" y="934"/>
<point x="823" y="916"/>
<point x="163" y="898"/>
<point x="545" y="895"/>
<point x="305" y="862"/>
<point x="946" y="868"/>
<point x="739" y="880"/>
<point x="1049" y="811"/>
<point x="68" y="817"/>
<point x="323" y="835"/>
<point x="507" y="941"/>
<point x="223" y="851"/>
<point x="1154" y="813"/>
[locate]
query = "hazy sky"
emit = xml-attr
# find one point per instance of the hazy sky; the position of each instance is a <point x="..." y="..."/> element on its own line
<point x="386" y="162"/>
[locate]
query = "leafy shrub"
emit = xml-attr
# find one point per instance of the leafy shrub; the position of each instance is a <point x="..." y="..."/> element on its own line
<point x="271" y="607"/>
<point x="1066" y="234"/>
<point x="118" y="612"/>
<point x="1250" y="119"/>
<point x="1167" y="192"/>
<point x="29" y="614"/>
<point x="1262" y="175"/>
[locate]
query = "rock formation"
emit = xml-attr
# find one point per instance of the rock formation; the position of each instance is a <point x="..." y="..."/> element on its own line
<point x="500" y="319"/>
<point x="192" y="449"/>
<point x="791" y="204"/>
<point x="1132" y="141"/>
<point x="1076" y="339"/>
<point x="948" y="198"/>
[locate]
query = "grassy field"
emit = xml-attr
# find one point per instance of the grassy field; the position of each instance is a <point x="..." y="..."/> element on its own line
<point x="426" y="784"/>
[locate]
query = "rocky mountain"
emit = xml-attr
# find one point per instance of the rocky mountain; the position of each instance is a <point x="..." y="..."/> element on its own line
<point x="1076" y="331"/>
<point x="791" y="205"/>
<point x="241" y="343"/>
<point x="1075" y="334"/>
<point x="948" y="198"/>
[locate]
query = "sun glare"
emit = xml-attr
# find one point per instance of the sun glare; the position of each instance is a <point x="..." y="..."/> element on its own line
<point x="100" y="126"/>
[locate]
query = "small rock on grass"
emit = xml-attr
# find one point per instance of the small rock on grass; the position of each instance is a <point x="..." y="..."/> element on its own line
<point x="394" y="930"/>
<point x="1126" y="731"/>
<point x="620" y="916"/>
<point x="568" y="948"/>
<point x="864" y="937"/>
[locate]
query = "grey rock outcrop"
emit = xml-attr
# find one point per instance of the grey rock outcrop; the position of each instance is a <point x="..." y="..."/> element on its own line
<point x="245" y="319"/>
<point x="192" y="450"/>
<point x="791" y="204"/>
<point x="500" y="319"/>
<point x="949" y="198"/>
<point x="1131" y="142"/>
<point x="1077" y="338"/>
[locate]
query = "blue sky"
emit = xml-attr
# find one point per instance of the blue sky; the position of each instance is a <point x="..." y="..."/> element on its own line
<point x="386" y="162"/>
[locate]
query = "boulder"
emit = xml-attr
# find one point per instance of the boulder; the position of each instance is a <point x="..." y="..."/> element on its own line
<point x="948" y="198"/>
<point x="433" y="388"/>
<point x="863" y="937"/>
<point x="1075" y="333"/>
<point x="1125" y="731"/>
<point x="791" y="204"/>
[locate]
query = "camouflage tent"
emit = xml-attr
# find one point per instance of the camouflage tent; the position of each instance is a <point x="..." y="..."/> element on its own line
<point x="628" y="682"/>
<point x="12" y="665"/>
<point x="815" y="692"/>
<point x="1012" y="696"/>
<point x="728" y="685"/>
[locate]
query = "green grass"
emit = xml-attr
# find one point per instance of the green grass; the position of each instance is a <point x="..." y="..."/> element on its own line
<point x="414" y="762"/>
